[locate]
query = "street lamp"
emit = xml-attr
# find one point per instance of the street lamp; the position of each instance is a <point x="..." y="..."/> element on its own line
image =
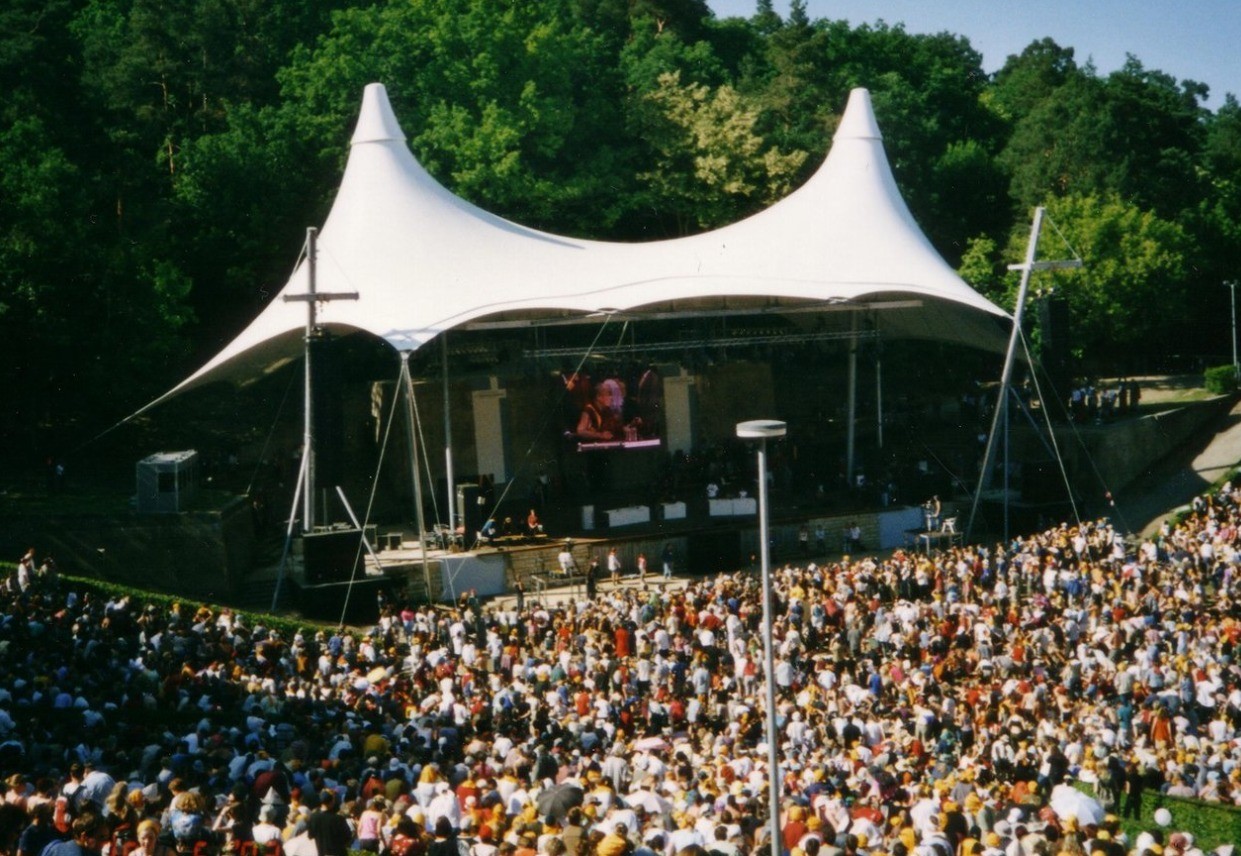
<point x="762" y="430"/>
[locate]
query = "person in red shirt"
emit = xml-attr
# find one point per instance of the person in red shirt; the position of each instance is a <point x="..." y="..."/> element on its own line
<point x="794" y="827"/>
<point x="621" y="637"/>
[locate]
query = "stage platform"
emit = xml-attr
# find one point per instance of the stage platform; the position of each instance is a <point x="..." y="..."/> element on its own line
<point x="699" y="545"/>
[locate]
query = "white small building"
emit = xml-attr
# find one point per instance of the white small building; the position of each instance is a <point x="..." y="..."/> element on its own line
<point x="167" y="482"/>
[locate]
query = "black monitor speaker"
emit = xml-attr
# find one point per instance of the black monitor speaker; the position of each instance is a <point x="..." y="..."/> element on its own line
<point x="1057" y="352"/>
<point x="331" y="556"/>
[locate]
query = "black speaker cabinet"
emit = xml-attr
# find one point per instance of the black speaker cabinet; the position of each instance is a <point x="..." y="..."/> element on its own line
<point x="469" y="512"/>
<point x="331" y="557"/>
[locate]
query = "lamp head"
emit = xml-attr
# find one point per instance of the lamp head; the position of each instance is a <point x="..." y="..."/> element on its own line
<point x="761" y="429"/>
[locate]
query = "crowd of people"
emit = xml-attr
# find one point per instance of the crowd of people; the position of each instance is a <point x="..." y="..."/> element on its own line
<point x="1092" y="404"/>
<point x="942" y="705"/>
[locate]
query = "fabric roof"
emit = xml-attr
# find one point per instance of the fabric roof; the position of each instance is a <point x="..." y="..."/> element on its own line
<point x="425" y="261"/>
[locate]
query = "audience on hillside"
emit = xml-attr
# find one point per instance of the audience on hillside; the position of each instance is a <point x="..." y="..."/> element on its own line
<point x="947" y="705"/>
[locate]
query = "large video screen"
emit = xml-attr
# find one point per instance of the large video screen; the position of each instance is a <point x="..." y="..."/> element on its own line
<point x="614" y="407"/>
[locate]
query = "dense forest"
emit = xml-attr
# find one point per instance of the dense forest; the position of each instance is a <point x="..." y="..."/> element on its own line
<point x="159" y="162"/>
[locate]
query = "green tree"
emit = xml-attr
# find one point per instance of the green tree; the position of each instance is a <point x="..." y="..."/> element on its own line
<point x="710" y="167"/>
<point x="795" y="90"/>
<point x="1135" y="286"/>
<point x="766" y="21"/>
<point x="39" y="281"/>
<point x="1136" y="133"/>
<point x="1060" y="146"/>
<point x="982" y="267"/>
<point x="84" y="315"/>
<point x="1216" y="223"/>
<point x="1158" y="133"/>
<point x="1030" y="78"/>
<point x="514" y="106"/>
<point x="39" y="61"/>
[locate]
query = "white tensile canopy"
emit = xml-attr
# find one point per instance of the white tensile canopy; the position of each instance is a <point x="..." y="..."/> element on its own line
<point x="424" y="261"/>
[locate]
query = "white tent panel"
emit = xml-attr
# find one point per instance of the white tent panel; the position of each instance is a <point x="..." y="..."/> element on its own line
<point x="425" y="261"/>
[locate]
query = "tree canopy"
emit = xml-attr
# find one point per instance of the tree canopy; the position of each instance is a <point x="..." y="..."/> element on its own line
<point x="161" y="162"/>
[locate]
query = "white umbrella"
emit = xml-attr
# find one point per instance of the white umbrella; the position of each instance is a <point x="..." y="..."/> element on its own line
<point x="857" y="694"/>
<point x="1067" y="801"/>
<point x="651" y="802"/>
<point x="301" y="845"/>
<point x="650" y="744"/>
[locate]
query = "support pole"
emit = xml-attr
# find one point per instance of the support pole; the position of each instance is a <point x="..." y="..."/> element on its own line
<point x="878" y="396"/>
<point x="288" y="532"/>
<point x="311" y="298"/>
<point x="1007" y="464"/>
<point x="773" y="758"/>
<point x="1000" y="417"/>
<point x="308" y="423"/>
<point x="851" y="406"/>
<point x="761" y="430"/>
<point x="357" y="524"/>
<point x="1236" y="367"/>
<point x="411" y="420"/>
<point x="448" y="474"/>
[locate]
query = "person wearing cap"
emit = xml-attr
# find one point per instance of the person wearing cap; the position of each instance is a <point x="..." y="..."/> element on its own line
<point x="616" y="842"/>
<point x="991" y="844"/>
<point x="444" y="804"/>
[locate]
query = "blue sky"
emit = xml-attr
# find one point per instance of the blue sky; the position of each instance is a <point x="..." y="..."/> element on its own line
<point x="1198" y="40"/>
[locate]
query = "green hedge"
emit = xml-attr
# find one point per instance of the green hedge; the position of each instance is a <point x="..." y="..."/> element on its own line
<point x="286" y="626"/>
<point x="1211" y="824"/>
<point x="1220" y="379"/>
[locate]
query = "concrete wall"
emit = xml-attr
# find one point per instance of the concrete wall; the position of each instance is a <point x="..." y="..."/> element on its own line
<point x="198" y="554"/>
<point x="1126" y="451"/>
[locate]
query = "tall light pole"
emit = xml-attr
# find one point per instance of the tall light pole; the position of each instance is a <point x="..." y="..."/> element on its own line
<point x="1236" y="367"/>
<point x="761" y="430"/>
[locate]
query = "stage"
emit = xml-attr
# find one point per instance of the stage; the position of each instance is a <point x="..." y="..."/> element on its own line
<point x="699" y="546"/>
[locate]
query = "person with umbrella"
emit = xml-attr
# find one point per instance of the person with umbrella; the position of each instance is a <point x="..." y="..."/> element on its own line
<point x="555" y="803"/>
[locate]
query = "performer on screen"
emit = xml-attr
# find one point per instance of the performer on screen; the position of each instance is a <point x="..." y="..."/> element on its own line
<point x="603" y="418"/>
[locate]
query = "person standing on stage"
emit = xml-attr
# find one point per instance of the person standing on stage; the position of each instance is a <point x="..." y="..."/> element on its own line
<point x="614" y="566"/>
<point x="565" y="558"/>
<point x="592" y="578"/>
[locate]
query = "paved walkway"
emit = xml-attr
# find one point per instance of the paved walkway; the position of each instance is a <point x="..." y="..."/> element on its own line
<point x="1175" y="482"/>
